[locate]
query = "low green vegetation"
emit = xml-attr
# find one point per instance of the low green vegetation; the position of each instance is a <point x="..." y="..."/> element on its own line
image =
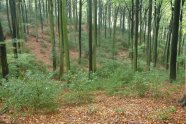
<point x="31" y="88"/>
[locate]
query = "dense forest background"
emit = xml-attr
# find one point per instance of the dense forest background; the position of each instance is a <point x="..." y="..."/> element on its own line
<point x="102" y="59"/>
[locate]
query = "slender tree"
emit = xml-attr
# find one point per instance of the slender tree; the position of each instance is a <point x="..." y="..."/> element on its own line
<point x="90" y="36"/>
<point x="140" y="19"/>
<point x="136" y="35"/>
<point x="180" y="31"/>
<point x="61" y="42"/>
<point x="36" y="20"/>
<point x="14" y="26"/>
<point x="145" y="25"/>
<point x="105" y="20"/>
<point x="80" y="18"/>
<point x="100" y="22"/>
<point x="149" y="36"/>
<point x="52" y="34"/>
<point x="65" y="35"/>
<point x="95" y="36"/>
<point x="183" y="100"/>
<point x="40" y="15"/>
<point x="109" y="16"/>
<point x="8" y="16"/>
<point x="157" y="25"/>
<point x="114" y="32"/>
<point x="168" y="42"/>
<point x="3" y="56"/>
<point x="123" y="23"/>
<point x="132" y="30"/>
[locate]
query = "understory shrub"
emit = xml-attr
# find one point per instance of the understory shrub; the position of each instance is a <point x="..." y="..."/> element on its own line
<point x="121" y="79"/>
<point x="117" y="77"/>
<point x="34" y="92"/>
<point x="18" y="67"/>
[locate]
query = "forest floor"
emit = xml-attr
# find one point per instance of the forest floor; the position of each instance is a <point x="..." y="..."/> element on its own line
<point x="104" y="108"/>
<point x="112" y="110"/>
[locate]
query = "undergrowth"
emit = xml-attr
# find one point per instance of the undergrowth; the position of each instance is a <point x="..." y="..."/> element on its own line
<point x="117" y="78"/>
<point x="30" y="94"/>
<point x="28" y="88"/>
<point x="31" y="88"/>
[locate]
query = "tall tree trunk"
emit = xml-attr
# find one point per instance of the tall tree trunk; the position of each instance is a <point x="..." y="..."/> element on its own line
<point x="183" y="100"/>
<point x="105" y="18"/>
<point x="132" y="31"/>
<point x="26" y="17"/>
<point x="70" y="9"/>
<point x="95" y="36"/>
<point x="52" y="34"/>
<point x="76" y="13"/>
<point x="136" y="37"/>
<point x="36" y="20"/>
<point x="24" y="8"/>
<point x="149" y="36"/>
<point x="114" y="33"/>
<point x="140" y="18"/>
<point x="99" y="23"/>
<point x="80" y="18"/>
<point x="65" y="35"/>
<point x="3" y="56"/>
<point x="180" y="32"/>
<point x="169" y="35"/>
<point x="174" y="41"/>
<point x="109" y="15"/>
<point x="90" y="36"/>
<point x="61" y="42"/>
<point x="46" y="9"/>
<point x="123" y="23"/>
<point x="8" y="16"/>
<point x="145" y="26"/>
<point x="158" y="17"/>
<point x="129" y="27"/>
<point x="14" y="23"/>
<point x="40" y="15"/>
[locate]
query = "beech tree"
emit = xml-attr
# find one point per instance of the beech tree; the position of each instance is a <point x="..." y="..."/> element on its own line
<point x="174" y="41"/>
<point x="3" y="56"/>
<point x="14" y="26"/>
<point x="90" y="37"/>
<point x="64" y="60"/>
<point x="157" y="17"/>
<point x="95" y="36"/>
<point x="80" y="18"/>
<point x="136" y="35"/>
<point x="65" y="35"/>
<point x="61" y="41"/>
<point x="114" y="31"/>
<point x="51" y="20"/>
<point x="149" y="35"/>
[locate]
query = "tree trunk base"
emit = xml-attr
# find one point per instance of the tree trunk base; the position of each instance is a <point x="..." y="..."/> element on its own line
<point x="183" y="101"/>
